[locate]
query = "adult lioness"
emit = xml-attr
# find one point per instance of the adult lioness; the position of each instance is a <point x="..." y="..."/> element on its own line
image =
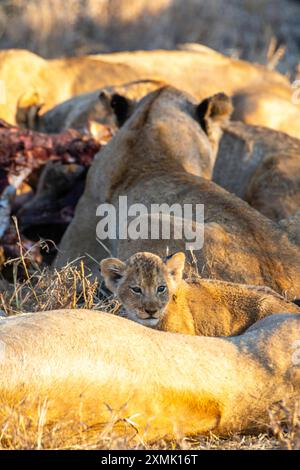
<point x="90" y="368"/>
<point x="19" y="70"/>
<point x="52" y="81"/>
<point x="80" y="111"/>
<point x="153" y="293"/>
<point x="166" y="145"/>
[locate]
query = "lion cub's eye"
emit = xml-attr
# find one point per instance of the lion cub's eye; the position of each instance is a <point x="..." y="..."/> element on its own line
<point x="161" y="289"/>
<point x="136" y="289"/>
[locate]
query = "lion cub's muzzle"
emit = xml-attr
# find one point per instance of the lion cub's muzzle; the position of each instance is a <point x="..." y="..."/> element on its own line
<point x="149" y="313"/>
<point x="147" y="317"/>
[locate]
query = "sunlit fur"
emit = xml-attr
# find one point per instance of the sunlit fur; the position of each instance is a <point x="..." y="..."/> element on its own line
<point x="85" y="365"/>
<point x="261" y="96"/>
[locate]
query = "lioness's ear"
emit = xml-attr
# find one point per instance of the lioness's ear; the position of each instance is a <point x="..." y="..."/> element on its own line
<point x="112" y="270"/>
<point x="175" y="265"/>
<point x="120" y="105"/>
<point x="214" y="110"/>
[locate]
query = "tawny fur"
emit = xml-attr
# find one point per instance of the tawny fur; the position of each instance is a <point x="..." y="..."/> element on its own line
<point x="162" y="145"/>
<point x="261" y="97"/>
<point x="80" y="364"/>
<point x="80" y="111"/>
<point x="261" y="166"/>
<point x="274" y="189"/>
<point x="292" y="226"/>
<point x="197" y="306"/>
<point x="258" y="164"/>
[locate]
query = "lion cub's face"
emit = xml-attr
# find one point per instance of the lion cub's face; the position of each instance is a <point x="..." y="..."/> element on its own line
<point x="144" y="284"/>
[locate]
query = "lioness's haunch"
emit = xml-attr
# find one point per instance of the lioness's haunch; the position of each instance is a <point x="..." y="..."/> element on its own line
<point x="80" y="365"/>
<point x="262" y="167"/>
<point x="152" y="292"/>
<point x="169" y="143"/>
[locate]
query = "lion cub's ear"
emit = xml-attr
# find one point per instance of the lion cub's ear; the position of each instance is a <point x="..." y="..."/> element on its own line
<point x="112" y="270"/>
<point x="121" y="106"/>
<point x="214" y="110"/>
<point x="175" y="265"/>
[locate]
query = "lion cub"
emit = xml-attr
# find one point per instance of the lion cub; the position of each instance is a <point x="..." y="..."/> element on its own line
<point x="153" y="293"/>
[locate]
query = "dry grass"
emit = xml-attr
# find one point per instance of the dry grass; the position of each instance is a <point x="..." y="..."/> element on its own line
<point x="285" y="425"/>
<point x="37" y="288"/>
<point x="47" y="289"/>
<point x="19" y="431"/>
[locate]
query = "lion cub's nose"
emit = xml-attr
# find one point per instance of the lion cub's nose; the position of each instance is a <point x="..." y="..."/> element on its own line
<point x="151" y="312"/>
